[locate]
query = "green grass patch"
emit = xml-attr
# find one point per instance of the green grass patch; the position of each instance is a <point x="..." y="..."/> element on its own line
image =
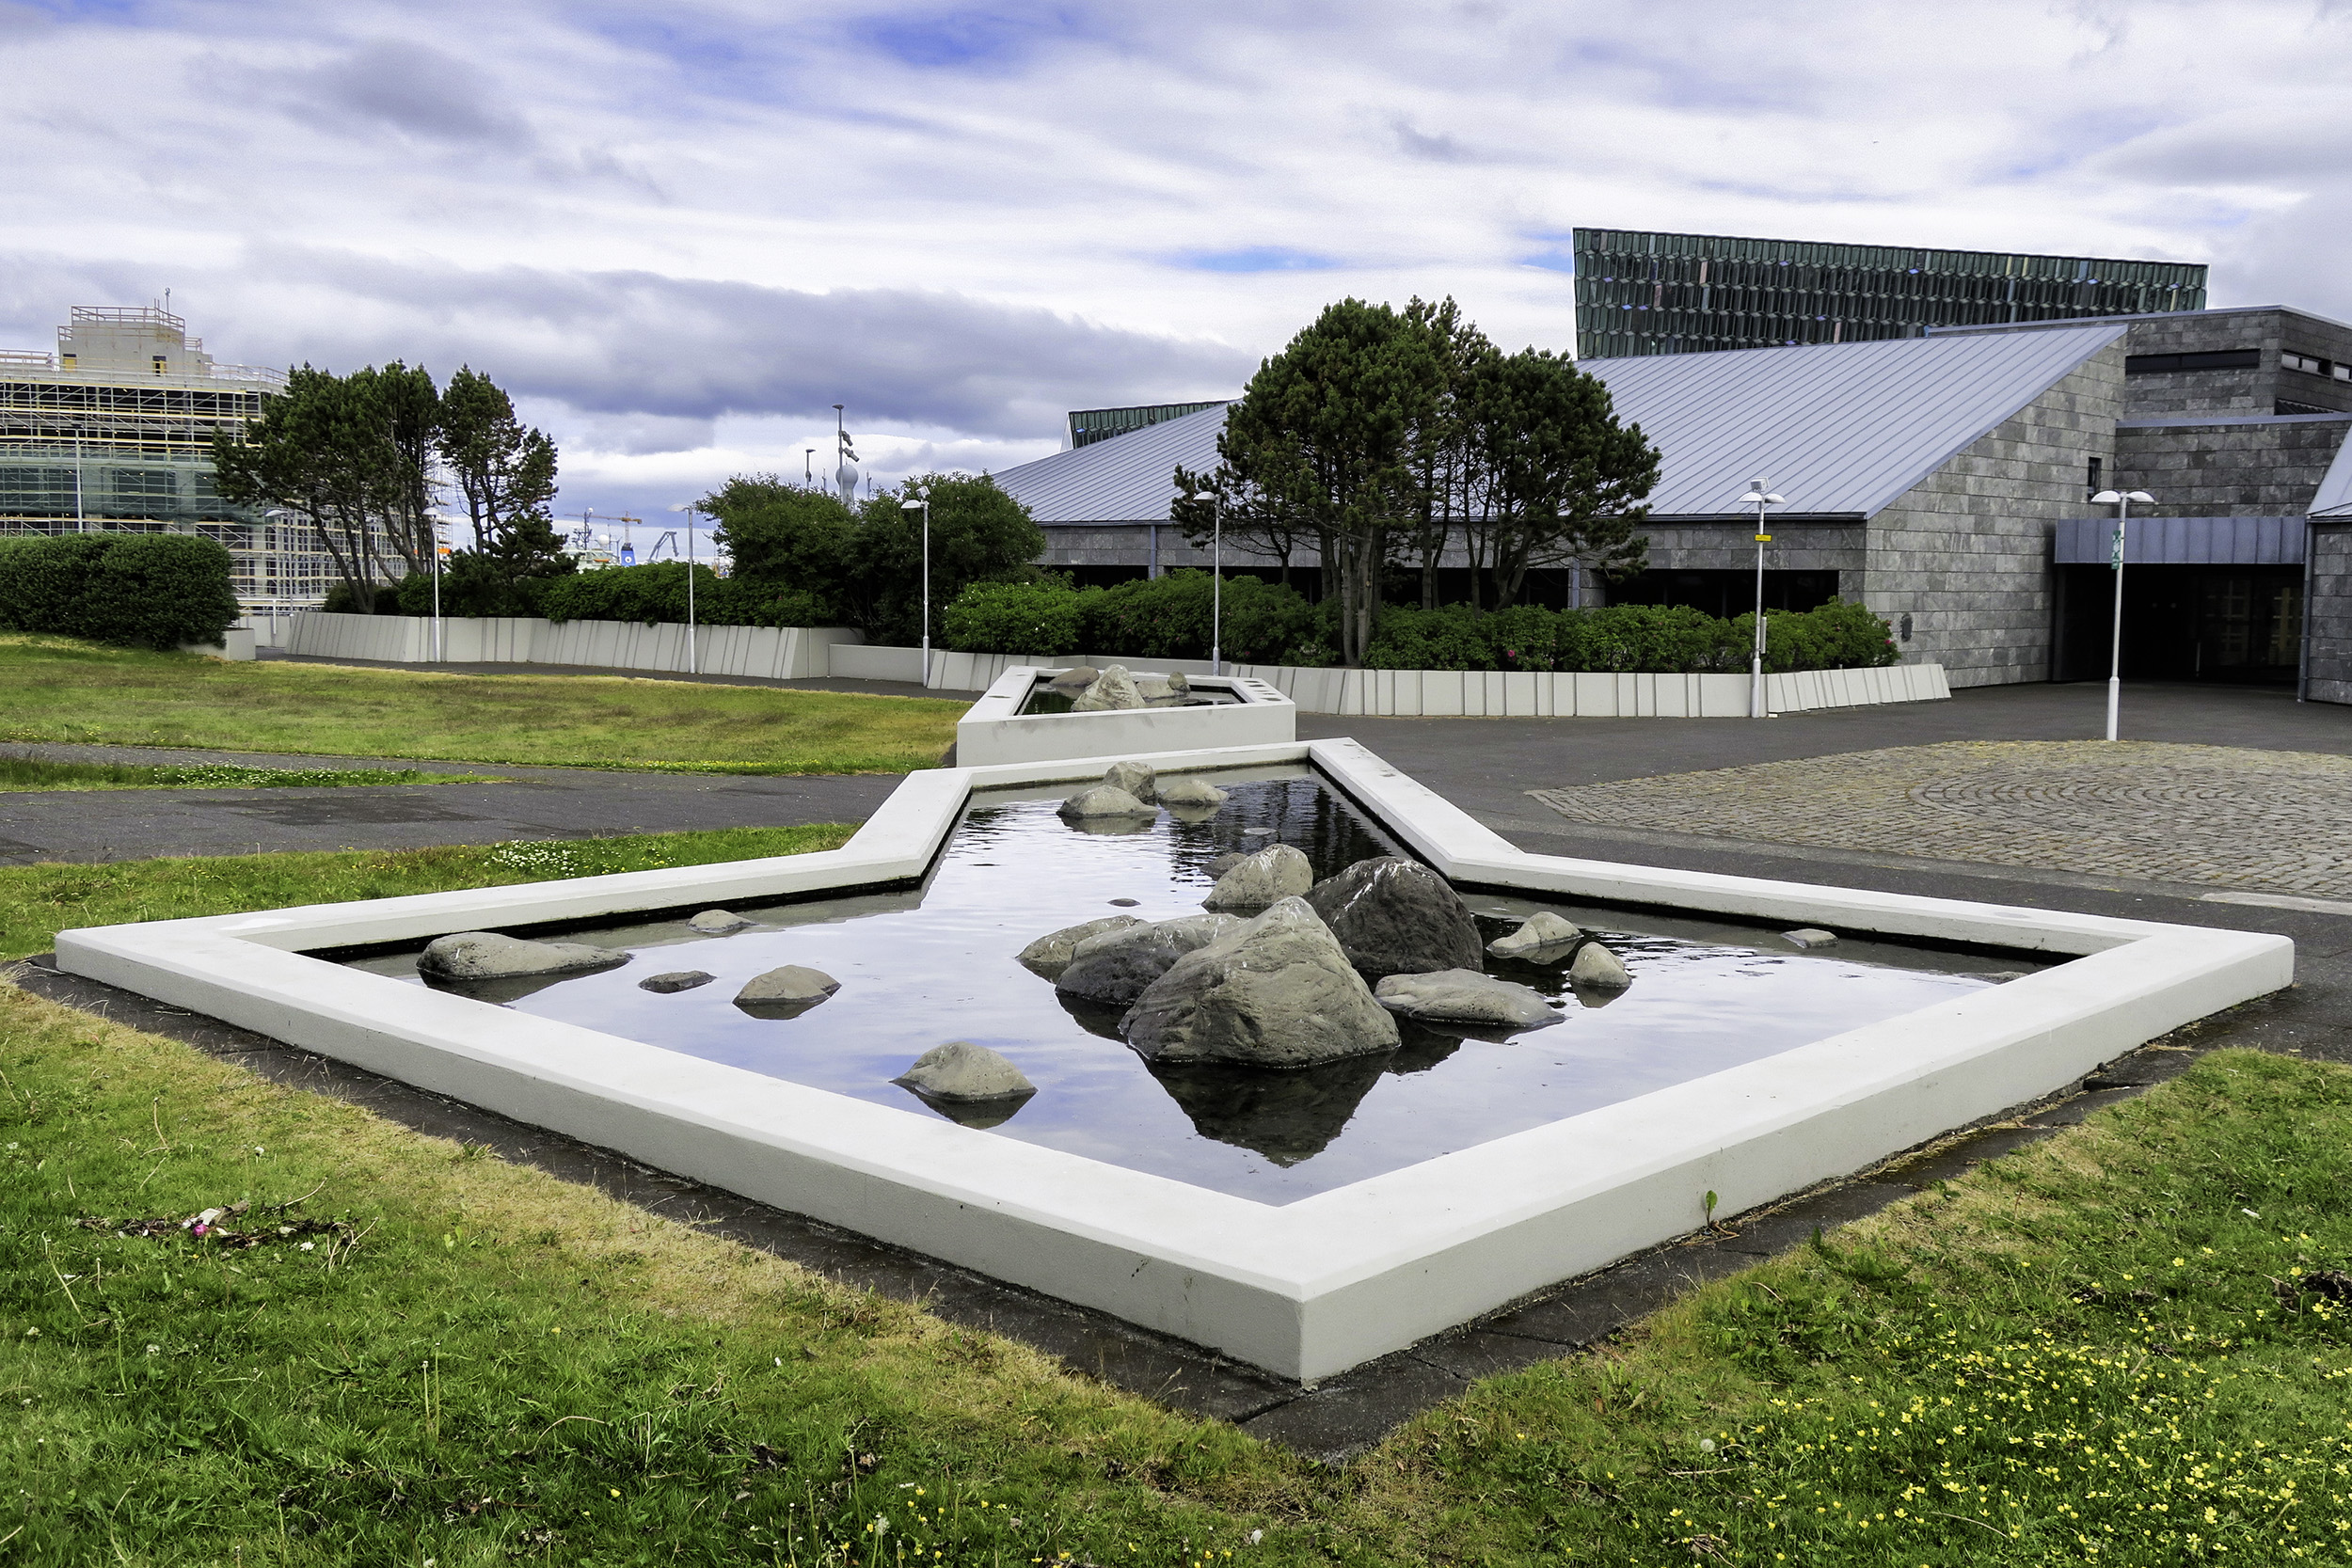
<point x="39" y="901"/>
<point x="31" y="773"/>
<point x="57" y="689"/>
<point x="2127" y="1345"/>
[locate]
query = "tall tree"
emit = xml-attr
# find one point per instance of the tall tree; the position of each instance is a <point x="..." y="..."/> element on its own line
<point x="978" y="533"/>
<point x="1563" y="479"/>
<point x="505" y="473"/>
<point x="1324" y="437"/>
<point x="324" y="451"/>
<point x="409" y="411"/>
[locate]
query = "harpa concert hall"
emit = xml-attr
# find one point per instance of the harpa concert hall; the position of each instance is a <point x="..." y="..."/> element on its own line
<point x="1938" y="421"/>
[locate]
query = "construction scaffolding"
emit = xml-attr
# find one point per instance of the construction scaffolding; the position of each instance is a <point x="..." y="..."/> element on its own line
<point x="113" y="433"/>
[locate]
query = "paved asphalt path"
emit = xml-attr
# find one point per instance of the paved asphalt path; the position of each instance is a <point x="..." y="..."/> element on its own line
<point x="533" y="804"/>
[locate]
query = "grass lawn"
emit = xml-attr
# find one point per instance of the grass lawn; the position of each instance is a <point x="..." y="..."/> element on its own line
<point x="57" y="689"/>
<point x="2125" y="1345"/>
<point x="28" y="773"/>
<point x="39" y="901"/>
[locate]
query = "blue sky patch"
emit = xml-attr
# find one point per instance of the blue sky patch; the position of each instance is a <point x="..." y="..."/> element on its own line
<point x="1256" y="258"/>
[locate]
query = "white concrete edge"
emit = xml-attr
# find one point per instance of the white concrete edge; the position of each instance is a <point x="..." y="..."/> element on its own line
<point x="1305" y="1289"/>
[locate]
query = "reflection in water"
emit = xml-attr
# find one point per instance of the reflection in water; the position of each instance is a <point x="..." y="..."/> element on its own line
<point x="920" y="967"/>
<point x="1287" y="1117"/>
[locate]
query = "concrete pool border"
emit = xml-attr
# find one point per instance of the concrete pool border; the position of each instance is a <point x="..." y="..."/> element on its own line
<point x="994" y="730"/>
<point x="1305" y="1289"/>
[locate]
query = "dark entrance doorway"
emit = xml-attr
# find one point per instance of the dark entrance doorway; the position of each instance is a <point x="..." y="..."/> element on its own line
<point x="2206" y="623"/>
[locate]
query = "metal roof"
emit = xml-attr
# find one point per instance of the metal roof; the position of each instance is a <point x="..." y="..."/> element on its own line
<point x="1839" y="429"/>
<point x="2334" y="498"/>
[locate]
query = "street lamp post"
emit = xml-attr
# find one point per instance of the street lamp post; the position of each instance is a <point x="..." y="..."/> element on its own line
<point x="440" y="649"/>
<point x="923" y="504"/>
<point x="1216" y="590"/>
<point x="687" y="507"/>
<point x="1759" y="498"/>
<point x="2121" y="500"/>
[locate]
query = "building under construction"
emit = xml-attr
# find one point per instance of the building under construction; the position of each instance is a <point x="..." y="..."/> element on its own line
<point x="114" y="432"/>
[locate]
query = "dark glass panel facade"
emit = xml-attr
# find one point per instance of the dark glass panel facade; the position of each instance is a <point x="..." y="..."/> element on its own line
<point x="1684" y="294"/>
<point x="1090" y="425"/>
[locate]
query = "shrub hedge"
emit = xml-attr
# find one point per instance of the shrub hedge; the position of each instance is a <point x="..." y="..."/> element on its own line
<point x="132" y="590"/>
<point x="1168" y="617"/>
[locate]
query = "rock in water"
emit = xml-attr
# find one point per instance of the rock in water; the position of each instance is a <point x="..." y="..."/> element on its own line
<point x="1112" y="691"/>
<point x="960" y="1071"/>
<point x="1133" y="777"/>
<point x="1260" y="880"/>
<point x="1597" y="967"/>
<point x="1275" y="992"/>
<point x="1192" y="795"/>
<point x="1810" y="937"/>
<point x="1050" y="954"/>
<point x="1219" y="865"/>
<point x="1465" y="996"/>
<point x="676" y="980"/>
<point x="786" y="992"/>
<point x="1396" y="917"/>
<point x="1103" y="800"/>
<point x="1540" y="939"/>
<point x="1077" y="677"/>
<point x="1113" y="968"/>
<point x="718" y="923"/>
<point x="487" y="956"/>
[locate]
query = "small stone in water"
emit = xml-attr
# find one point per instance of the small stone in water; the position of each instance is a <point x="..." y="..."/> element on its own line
<point x="1192" y="794"/>
<point x="1598" y="968"/>
<point x="718" y="923"/>
<point x="676" y="980"/>
<point x="1103" y="800"/>
<point x="1125" y="903"/>
<point x="1541" y="935"/>
<point x="786" y="992"/>
<point x="961" y="1071"/>
<point x="1810" y="937"/>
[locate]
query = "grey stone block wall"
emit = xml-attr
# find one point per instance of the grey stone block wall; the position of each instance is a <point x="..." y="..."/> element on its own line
<point x="2252" y="391"/>
<point x="2270" y="469"/>
<point x="2330" y="670"/>
<point x="1796" y="547"/>
<point x="1966" y="552"/>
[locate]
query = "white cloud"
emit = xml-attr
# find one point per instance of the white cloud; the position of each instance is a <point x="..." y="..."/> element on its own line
<point x="685" y="230"/>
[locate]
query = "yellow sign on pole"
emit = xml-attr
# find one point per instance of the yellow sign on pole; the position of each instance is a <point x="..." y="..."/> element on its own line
<point x="1763" y="538"/>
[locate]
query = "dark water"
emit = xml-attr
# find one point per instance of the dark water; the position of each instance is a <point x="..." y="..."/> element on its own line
<point x="920" y="968"/>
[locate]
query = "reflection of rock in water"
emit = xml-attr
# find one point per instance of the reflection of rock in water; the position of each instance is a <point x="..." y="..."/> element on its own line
<point x="979" y="1114"/>
<point x="512" y="988"/>
<point x="1315" y="821"/>
<point x="1289" y="1117"/>
<point x="1423" y="1049"/>
<point x="1095" y="1018"/>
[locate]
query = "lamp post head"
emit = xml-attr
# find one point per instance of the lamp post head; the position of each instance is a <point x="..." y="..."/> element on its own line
<point x="2110" y="497"/>
<point x="916" y="505"/>
<point x="1759" y="495"/>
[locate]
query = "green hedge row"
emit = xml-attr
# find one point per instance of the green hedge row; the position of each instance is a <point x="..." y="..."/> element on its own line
<point x="132" y="590"/>
<point x="1264" y="624"/>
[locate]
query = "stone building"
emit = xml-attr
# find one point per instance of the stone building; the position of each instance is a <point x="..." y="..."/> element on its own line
<point x="1944" y="481"/>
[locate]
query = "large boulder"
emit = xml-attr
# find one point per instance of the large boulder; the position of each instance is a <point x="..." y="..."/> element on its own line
<point x="1260" y="880"/>
<point x="487" y="956"/>
<point x="961" y="1071"/>
<point x="1542" y="938"/>
<point x="1135" y="777"/>
<point x="1104" y="802"/>
<point x="1112" y="691"/>
<point x="1077" y="678"/>
<point x="1274" y="992"/>
<point x="1396" y="917"/>
<point x="1114" y="967"/>
<point x="1465" y="996"/>
<point x="1050" y="954"/>
<point x="786" y="992"/>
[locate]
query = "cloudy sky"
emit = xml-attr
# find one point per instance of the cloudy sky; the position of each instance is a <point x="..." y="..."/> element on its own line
<point x="681" y="233"/>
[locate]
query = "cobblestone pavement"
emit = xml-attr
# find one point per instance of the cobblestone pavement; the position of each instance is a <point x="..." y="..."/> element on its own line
<point x="2230" y="817"/>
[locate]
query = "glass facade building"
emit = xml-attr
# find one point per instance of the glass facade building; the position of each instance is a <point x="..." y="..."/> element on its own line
<point x="1090" y="425"/>
<point x="1687" y="294"/>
